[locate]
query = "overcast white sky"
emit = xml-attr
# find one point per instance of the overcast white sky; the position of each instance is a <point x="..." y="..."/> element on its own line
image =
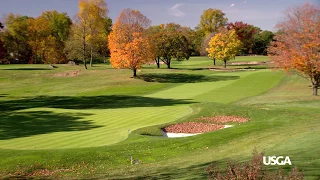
<point x="261" y="13"/>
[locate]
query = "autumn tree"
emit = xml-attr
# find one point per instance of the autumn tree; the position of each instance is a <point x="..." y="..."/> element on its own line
<point x="2" y="49"/>
<point x="245" y="33"/>
<point x="88" y="28"/>
<point x="128" y="42"/>
<point x="15" y="38"/>
<point x="212" y="20"/>
<point x="205" y="46"/>
<point x="297" y="46"/>
<point x="171" y="41"/>
<point x="47" y="36"/>
<point x="168" y="46"/>
<point x="224" y="46"/>
<point x="60" y="26"/>
<point x="196" y="42"/>
<point x="40" y="39"/>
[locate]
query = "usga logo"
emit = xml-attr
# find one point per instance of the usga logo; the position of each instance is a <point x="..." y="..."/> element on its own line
<point x="273" y="160"/>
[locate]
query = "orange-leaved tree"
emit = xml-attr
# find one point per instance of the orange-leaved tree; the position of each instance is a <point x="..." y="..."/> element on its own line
<point x="128" y="43"/>
<point x="297" y="45"/>
<point x="41" y="40"/>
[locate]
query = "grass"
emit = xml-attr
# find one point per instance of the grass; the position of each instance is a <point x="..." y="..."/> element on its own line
<point x="88" y="126"/>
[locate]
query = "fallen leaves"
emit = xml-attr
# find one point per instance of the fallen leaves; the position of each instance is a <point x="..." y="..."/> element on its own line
<point x="192" y="127"/>
<point x="224" y="119"/>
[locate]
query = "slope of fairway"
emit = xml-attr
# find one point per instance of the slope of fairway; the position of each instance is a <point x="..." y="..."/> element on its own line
<point x="292" y="88"/>
<point x="252" y="85"/>
<point x="193" y="90"/>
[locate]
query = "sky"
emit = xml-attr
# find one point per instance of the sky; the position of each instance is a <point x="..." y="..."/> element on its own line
<point x="261" y="13"/>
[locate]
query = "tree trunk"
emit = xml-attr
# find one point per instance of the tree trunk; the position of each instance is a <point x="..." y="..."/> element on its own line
<point x="169" y="65"/>
<point x="91" y="57"/>
<point x="158" y="62"/>
<point x="84" y="52"/>
<point x="85" y="64"/>
<point x="214" y="61"/>
<point x="134" y="72"/>
<point x="315" y="90"/>
<point x="225" y="63"/>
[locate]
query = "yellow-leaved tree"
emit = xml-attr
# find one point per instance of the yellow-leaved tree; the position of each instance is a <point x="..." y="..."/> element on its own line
<point x="128" y="42"/>
<point x="88" y="30"/>
<point x="224" y="46"/>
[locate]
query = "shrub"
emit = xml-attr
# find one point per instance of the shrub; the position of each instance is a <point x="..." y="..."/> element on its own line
<point x="252" y="170"/>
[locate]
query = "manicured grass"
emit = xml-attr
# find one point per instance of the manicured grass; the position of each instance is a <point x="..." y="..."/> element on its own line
<point x="79" y="125"/>
<point x="292" y="88"/>
<point x="252" y="58"/>
<point x="54" y="120"/>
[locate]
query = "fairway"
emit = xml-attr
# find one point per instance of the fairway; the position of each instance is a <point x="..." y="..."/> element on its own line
<point x="102" y="117"/>
<point x="105" y="124"/>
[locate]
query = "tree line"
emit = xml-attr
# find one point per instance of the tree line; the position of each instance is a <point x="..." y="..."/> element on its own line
<point x="54" y="37"/>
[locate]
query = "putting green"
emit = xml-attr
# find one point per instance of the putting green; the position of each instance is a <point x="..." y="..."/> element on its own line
<point x="107" y="127"/>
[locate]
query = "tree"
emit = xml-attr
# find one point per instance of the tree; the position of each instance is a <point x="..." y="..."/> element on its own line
<point x="60" y="24"/>
<point x="261" y="42"/>
<point x="169" y="45"/>
<point x="171" y="41"/>
<point x="99" y="42"/>
<point x="89" y="25"/>
<point x="128" y="43"/>
<point x="15" y="38"/>
<point x="297" y="46"/>
<point x="41" y="40"/>
<point x="224" y="46"/>
<point x="212" y="20"/>
<point x="2" y="49"/>
<point x="205" y="46"/>
<point x="196" y="41"/>
<point x="246" y="34"/>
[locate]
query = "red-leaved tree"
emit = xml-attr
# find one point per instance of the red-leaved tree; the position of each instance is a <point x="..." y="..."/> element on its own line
<point x="246" y="33"/>
<point x="297" y="45"/>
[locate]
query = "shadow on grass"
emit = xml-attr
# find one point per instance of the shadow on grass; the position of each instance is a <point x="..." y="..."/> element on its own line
<point x="87" y="102"/>
<point x="24" y="124"/>
<point x="27" y="69"/>
<point x="183" y="78"/>
<point x="191" y="69"/>
<point x="178" y="68"/>
<point x="14" y="123"/>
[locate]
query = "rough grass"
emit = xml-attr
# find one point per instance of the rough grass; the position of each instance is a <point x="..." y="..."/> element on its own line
<point x="53" y="118"/>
